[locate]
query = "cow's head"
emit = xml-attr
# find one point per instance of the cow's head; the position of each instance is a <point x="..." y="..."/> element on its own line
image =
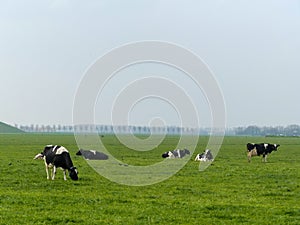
<point x="73" y="173"/>
<point x="275" y="147"/>
<point x="79" y="152"/>
<point x="168" y="154"/>
<point x="186" y="151"/>
<point x="165" y="155"/>
<point x="272" y="147"/>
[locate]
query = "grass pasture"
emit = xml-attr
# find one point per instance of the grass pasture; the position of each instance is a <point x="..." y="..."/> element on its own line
<point x="230" y="191"/>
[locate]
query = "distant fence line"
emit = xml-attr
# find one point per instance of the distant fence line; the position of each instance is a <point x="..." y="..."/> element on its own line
<point x="290" y="130"/>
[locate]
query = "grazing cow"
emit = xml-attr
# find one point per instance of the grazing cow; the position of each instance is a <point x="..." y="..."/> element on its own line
<point x="205" y="156"/>
<point x="178" y="153"/>
<point x="92" y="155"/>
<point x="260" y="149"/>
<point x="57" y="156"/>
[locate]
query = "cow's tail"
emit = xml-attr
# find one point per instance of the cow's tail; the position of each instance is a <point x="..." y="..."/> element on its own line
<point x="39" y="156"/>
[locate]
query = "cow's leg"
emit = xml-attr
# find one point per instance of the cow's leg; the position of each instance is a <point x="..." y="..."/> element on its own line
<point x="47" y="172"/>
<point x="47" y="169"/>
<point x="53" y="172"/>
<point x="65" y="177"/>
<point x="266" y="158"/>
<point x="263" y="159"/>
<point x="249" y="156"/>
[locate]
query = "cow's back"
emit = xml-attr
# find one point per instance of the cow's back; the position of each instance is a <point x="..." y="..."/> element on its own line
<point x="53" y="153"/>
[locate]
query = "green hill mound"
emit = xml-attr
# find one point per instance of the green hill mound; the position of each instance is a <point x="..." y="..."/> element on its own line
<point x="5" y="128"/>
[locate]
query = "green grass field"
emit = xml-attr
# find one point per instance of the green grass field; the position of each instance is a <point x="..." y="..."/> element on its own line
<point x="230" y="191"/>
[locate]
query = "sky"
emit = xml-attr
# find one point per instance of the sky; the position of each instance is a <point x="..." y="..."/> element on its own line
<point x="251" y="47"/>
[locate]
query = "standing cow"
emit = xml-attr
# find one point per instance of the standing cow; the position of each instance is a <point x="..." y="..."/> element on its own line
<point x="260" y="149"/>
<point x="58" y="156"/>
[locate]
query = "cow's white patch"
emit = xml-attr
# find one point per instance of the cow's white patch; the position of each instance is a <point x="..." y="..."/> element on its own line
<point x="203" y="159"/>
<point x="61" y="150"/>
<point x="171" y="155"/>
<point x="53" y="147"/>
<point x="253" y="152"/>
<point x="65" y="177"/>
<point x="178" y="153"/>
<point x="266" y="145"/>
<point x="93" y="151"/>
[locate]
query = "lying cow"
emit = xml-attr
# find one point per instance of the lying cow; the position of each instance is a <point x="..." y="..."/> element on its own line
<point x="260" y="149"/>
<point x="178" y="153"/>
<point x="57" y="156"/>
<point x="205" y="156"/>
<point x="92" y="155"/>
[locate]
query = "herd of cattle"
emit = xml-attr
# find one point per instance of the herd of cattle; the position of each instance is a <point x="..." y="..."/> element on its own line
<point x="56" y="156"/>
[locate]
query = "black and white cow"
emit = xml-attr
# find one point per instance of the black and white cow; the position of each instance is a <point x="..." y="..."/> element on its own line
<point x="57" y="156"/>
<point x="205" y="156"/>
<point x="260" y="149"/>
<point x="92" y="155"/>
<point x="178" y="153"/>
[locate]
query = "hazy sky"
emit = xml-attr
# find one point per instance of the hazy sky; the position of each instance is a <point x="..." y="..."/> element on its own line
<point x="252" y="47"/>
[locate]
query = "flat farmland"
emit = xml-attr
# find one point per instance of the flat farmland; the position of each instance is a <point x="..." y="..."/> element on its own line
<point x="230" y="191"/>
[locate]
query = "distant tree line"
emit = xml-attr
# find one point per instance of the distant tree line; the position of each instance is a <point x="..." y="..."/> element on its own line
<point x="107" y="129"/>
<point x="290" y="130"/>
